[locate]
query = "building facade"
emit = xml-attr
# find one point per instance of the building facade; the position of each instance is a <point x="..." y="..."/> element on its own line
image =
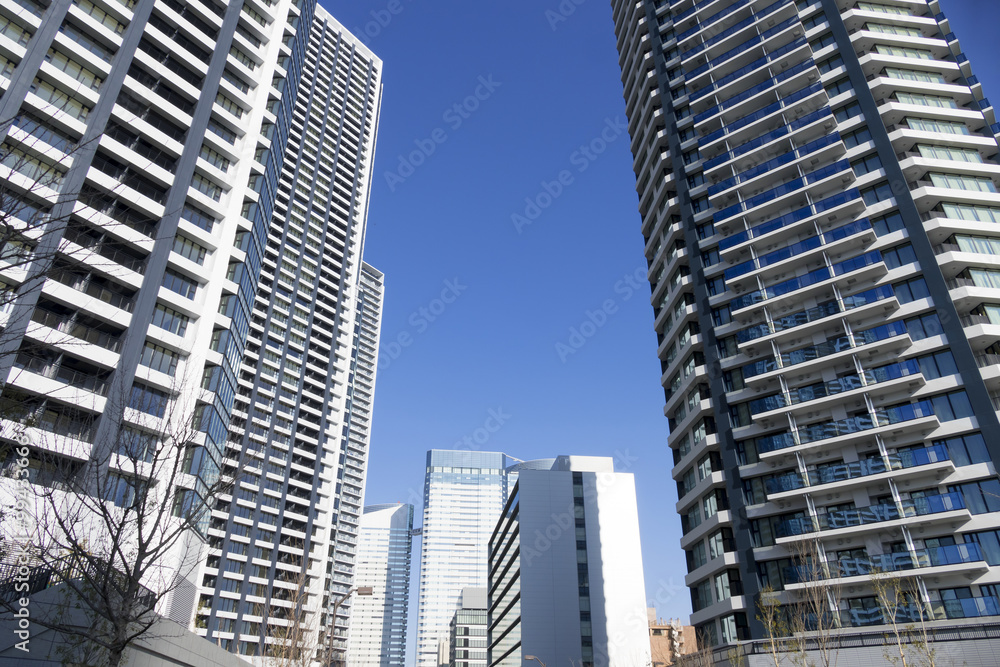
<point x="818" y="193"/>
<point x="378" y="622"/>
<point x="468" y="630"/>
<point x="669" y="641"/>
<point x="464" y="493"/>
<point x="286" y="540"/>
<point x="184" y="188"/>
<point x="565" y="569"/>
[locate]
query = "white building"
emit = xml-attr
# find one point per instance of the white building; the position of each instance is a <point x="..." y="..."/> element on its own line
<point x="200" y="173"/>
<point x="378" y="622"/>
<point x="565" y="580"/>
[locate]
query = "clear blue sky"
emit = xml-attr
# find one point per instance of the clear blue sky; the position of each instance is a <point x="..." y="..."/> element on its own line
<point x="549" y="102"/>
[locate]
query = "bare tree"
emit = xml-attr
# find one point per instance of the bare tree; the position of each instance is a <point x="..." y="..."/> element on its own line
<point x="772" y="616"/>
<point x="898" y="596"/>
<point x="116" y="523"/>
<point x="815" y="617"/>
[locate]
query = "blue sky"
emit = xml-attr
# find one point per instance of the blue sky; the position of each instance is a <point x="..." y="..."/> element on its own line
<point x="504" y="215"/>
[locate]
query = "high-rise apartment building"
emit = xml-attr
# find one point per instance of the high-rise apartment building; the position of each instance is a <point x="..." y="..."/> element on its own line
<point x="818" y="191"/>
<point x="565" y="568"/>
<point x="464" y="493"/>
<point x="378" y="622"/>
<point x="287" y="538"/>
<point x="184" y="191"/>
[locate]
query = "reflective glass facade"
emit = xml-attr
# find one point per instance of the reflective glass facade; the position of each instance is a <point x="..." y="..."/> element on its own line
<point x="464" y="493"/>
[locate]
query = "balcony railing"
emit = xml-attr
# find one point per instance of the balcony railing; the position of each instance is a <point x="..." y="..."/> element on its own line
<point x="841" y="472"/>
<point x="811" y="278"/>
<point x="861" y="516"/>
<point x="957" y="554"/>
<point x="68" y="326"/>
<point x="789" y="218"/>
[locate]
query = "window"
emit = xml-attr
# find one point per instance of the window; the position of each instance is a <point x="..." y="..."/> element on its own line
<point x="857" y="137"/>
<point x="866" y="164"/>
<point x="971" y="212"/>
<point x="985" y="277"/>
<point x="933" y="366"/>
<point x="175" y="282"/>
<point x="950" y="153"/>
<point x="949" y="407"/>
<point x="939" y="126"/>
<point x="903" y="52"/>
<point x="924" y="326"/>
<point x="911" y="290"/>
<point x="899" y="255"/>
<point x="170" y="320"/>
<point x="883" y="9"/>
<point x="149" y="400"/>
<point x="718" y="541"/>
<point x="886" y="29"/>
<point x="981" y="245"/>
<point x="830" y="64"/>
<point x="966" y="449"/>
<point x="926" y="100"/>
<point x="198" y="217"/>
<point x="159" y="358"/>
<point x="838" y="87"/>
<point x="914" y="75"/>
<point x="189" y="249"/>
<point x="888" y="223"/>
<point x="876" y="193"/>
<point x="847" y="111"/>
<point x="124" y="491"/>
<point x="963" y="182"/>
<point x="980" y="497"/>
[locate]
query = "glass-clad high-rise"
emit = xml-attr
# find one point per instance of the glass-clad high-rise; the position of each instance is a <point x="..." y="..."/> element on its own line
<point x="464" y="493"/>
<point x="818" y="186"/>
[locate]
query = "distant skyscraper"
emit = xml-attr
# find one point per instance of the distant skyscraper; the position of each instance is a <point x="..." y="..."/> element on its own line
<point x="468" y="630"/>
<point x="565" y="580"/>
<point x="818" y="186"/>
<point x="464" y="493"/>
<point x="378" y="622"/>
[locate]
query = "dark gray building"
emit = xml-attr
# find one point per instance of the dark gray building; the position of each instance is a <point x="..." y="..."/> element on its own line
<point x="817" y="183"/>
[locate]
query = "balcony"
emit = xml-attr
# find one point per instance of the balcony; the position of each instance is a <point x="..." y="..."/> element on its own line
<point x="863" y="516"/>
<point x="854" y="470"/>
<point x="789" y="219"/>
<point x="812" y="278"/>
<point x="957" y="554"/>
<point x="816" y="314"/>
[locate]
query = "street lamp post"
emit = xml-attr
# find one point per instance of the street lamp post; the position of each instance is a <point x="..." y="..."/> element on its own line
<point x="535" y="658"/>
<point x="360" y="590"/>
